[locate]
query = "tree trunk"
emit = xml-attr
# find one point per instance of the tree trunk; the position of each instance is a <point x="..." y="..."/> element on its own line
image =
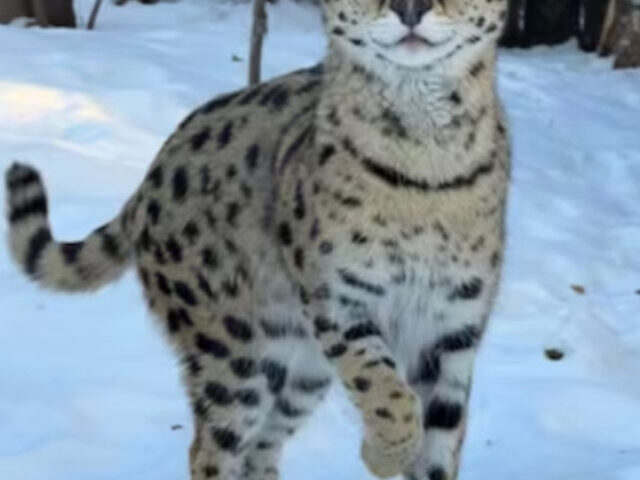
<point x="60" y="13"/>
<point x="593" y="13"/>
<point x="12" y="9"/>
<point x="628" y="47"/>
<point x="40" y="12"/>
<point x="258" y="31"/>
<point x="57" y="13"/>
<point x="550" y="21"/>
<point x="512" y="35"/>
<point x="607" y="43"/>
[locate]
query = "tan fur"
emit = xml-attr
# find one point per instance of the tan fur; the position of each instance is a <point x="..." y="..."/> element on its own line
<point x="339" y="222"/>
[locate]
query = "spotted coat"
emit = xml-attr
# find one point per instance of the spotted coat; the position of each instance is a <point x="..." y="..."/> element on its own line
<point x="344" y="221"/>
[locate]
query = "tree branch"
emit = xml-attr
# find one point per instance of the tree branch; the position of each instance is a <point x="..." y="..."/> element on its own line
<point x="258" y="31"/>
<point x="94" y="15"/>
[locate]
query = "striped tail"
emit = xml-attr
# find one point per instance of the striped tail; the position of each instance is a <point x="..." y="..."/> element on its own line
<point x="78" y="266"/>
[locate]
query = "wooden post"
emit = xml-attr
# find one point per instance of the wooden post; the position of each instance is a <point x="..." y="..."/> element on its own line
<point x="258" y="31"/>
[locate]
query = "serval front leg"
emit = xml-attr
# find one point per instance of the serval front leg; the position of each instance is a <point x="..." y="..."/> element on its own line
<point x="443" y="375"/>
<point x="389" y="407"/>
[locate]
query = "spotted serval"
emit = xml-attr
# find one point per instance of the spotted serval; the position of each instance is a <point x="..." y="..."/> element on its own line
<point x="343" y="221"/>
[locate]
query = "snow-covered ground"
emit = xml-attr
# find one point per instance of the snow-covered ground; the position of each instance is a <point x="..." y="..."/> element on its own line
<point x="88" y="389"/>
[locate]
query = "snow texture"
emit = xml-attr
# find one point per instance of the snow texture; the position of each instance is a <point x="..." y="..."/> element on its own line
<point x="88" y="388"/>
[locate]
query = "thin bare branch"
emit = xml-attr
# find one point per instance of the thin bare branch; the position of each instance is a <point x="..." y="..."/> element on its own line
<point x="258" y="31"/>
<point x="94" y="15"/>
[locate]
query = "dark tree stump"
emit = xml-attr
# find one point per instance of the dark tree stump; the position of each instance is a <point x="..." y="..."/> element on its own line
<point x="513" y="32"/>
<point x="60" y="13"/>
<point x="628" y="44"/>
<point x="593" y="12"/>
<point x="550" y="22"/>
<point x="57" y="13"/>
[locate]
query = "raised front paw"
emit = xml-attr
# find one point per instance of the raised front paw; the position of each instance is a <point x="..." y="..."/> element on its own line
<point x="386" y="460"/>
<point x="394" y="432"/>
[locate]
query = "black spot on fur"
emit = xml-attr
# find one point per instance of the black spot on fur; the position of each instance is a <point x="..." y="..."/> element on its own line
<point x="352" y="280"/>
<point x="205" y="287"/>
<point x="248" y="397"/>
<point x="359" y="238"/>
<point x="362" y="384"/>
<point x="230" y="288"/>
<point x="156" y="177"/>
<point x="469" y="290"/>
<point x="384" y="413"/>
<point x="276" y="375"/>
<point x="277" y="96"/>
<point x="178" y="318"/>
<point x="233" y="210"/>
<point x="323" y="325"/>
<point x="443" y="414"/>
<point x="224" y="137"/>
<point x="299" y="209"/>
<point x="209" y="258"/>
<point x="428" y="369"/>
<point x="273" y="329"/>
<point x="180" y="183"/>
<point x="310" y="385"/>
<point x="238" y="328"/>
<point x="226" y="439"/>
<point x="251" y="156"/>
<point x="284" y="234"/>
<point x="199" y="139"/>
<point x="193" y="365"/>
<point x="212" y="346"/>
<point x="33" y="207"/>
<point x="174" y="249"/>
<point x="325" y="247"/>
<point x="466" y="337"/>
<point x="70" y="251"/>
<point x="153" y="210"/>
<point x="184" y="292"/>
<point x="191" y="232"/>
<point x="109" y="245"/>
<point x="243" y="367"/>
<point x="477" y="68"/>
<point x="326" y="152"/>
<point x="360" y="331"/>
<point x="37" y="243"/>
<point x="298" y="258"/>
<point x="296" y="145"/>
<point x="252" y="94"/>
<point x="287" y="409"/>
<point x="218" y="102"/>
<point x="218" y="393"/>
<point x="336" y="350"/>
<point x="163" y="284"/>
<point x="211" y="471"/>
<point x="437" y="473"/>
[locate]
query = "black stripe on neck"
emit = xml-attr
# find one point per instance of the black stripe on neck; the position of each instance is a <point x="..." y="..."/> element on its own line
<point x="397" y="179"/>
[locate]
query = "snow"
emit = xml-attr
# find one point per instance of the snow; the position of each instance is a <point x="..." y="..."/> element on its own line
<point x="90" y="390"/>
